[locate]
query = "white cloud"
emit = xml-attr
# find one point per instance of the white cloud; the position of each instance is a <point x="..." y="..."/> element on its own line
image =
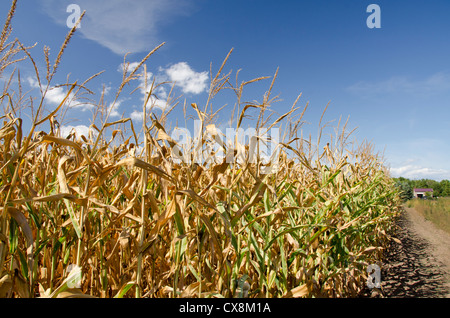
<point x="153" y="102"/>
<point x="145" y="84"/>
<point x="56" y="94"/>
<point x="32" y="82"/>
<point x="107" y="89"/>
<point x="79" y="130"/>
<point x="161" y="92"/>
<point x="180" y="74"/>
<point x="136" y="115"/>
<point x="157" y="102"/>
<point x="121" y="26"/>
<point x="187" y="79"/>
<point x="160" y="101"/>
<point x="419" y="172"/>
<point x="114" y="108"/>
<point x="421" y="157"/>
<point x="131" y="67"/>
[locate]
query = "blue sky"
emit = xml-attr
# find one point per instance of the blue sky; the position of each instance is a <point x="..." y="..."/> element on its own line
<point x="393" y="82"/>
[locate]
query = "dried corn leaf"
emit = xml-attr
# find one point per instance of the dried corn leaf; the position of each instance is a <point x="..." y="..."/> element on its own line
<point x="297" y="292"/>
<point x="144" y="165"/>
<point x="6" y="286"/>
<point x="73" y="293"/>
<point x="67" y="142"/>
<point x="53" y="198"/>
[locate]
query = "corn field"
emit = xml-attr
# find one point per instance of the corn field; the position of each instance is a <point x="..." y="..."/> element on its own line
<point x="114" y="215"/>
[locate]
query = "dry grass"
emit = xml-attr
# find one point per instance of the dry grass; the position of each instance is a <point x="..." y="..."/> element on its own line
<point x="435" y="210"/>
<point x="138" y="224"/>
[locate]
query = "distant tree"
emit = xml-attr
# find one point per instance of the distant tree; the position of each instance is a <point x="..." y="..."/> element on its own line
<point x="445" y="188"/>
<point x="406" y="191"/>
<point x="437" y="189"/>
<point x="426" y="183"/>
<point x="440" y="189"/>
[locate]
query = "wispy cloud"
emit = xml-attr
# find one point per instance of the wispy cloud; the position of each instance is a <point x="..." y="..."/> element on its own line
<point x="121" y="26"/>
<point x="421" y="157"/>
<point x="435" y="83"/>
<point x="419" y="172"/>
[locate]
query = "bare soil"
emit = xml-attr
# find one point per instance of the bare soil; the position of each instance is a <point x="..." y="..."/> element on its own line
<point x="420" y="265"/>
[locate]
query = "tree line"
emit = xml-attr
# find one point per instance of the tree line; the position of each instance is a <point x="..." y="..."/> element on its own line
<point x="440" y="188"/>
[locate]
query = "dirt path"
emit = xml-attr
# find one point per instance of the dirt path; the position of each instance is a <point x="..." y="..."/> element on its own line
<point x="420" y="266"/>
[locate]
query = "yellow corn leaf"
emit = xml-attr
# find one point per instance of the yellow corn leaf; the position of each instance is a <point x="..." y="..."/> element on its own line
<point x="297" y="292"/>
